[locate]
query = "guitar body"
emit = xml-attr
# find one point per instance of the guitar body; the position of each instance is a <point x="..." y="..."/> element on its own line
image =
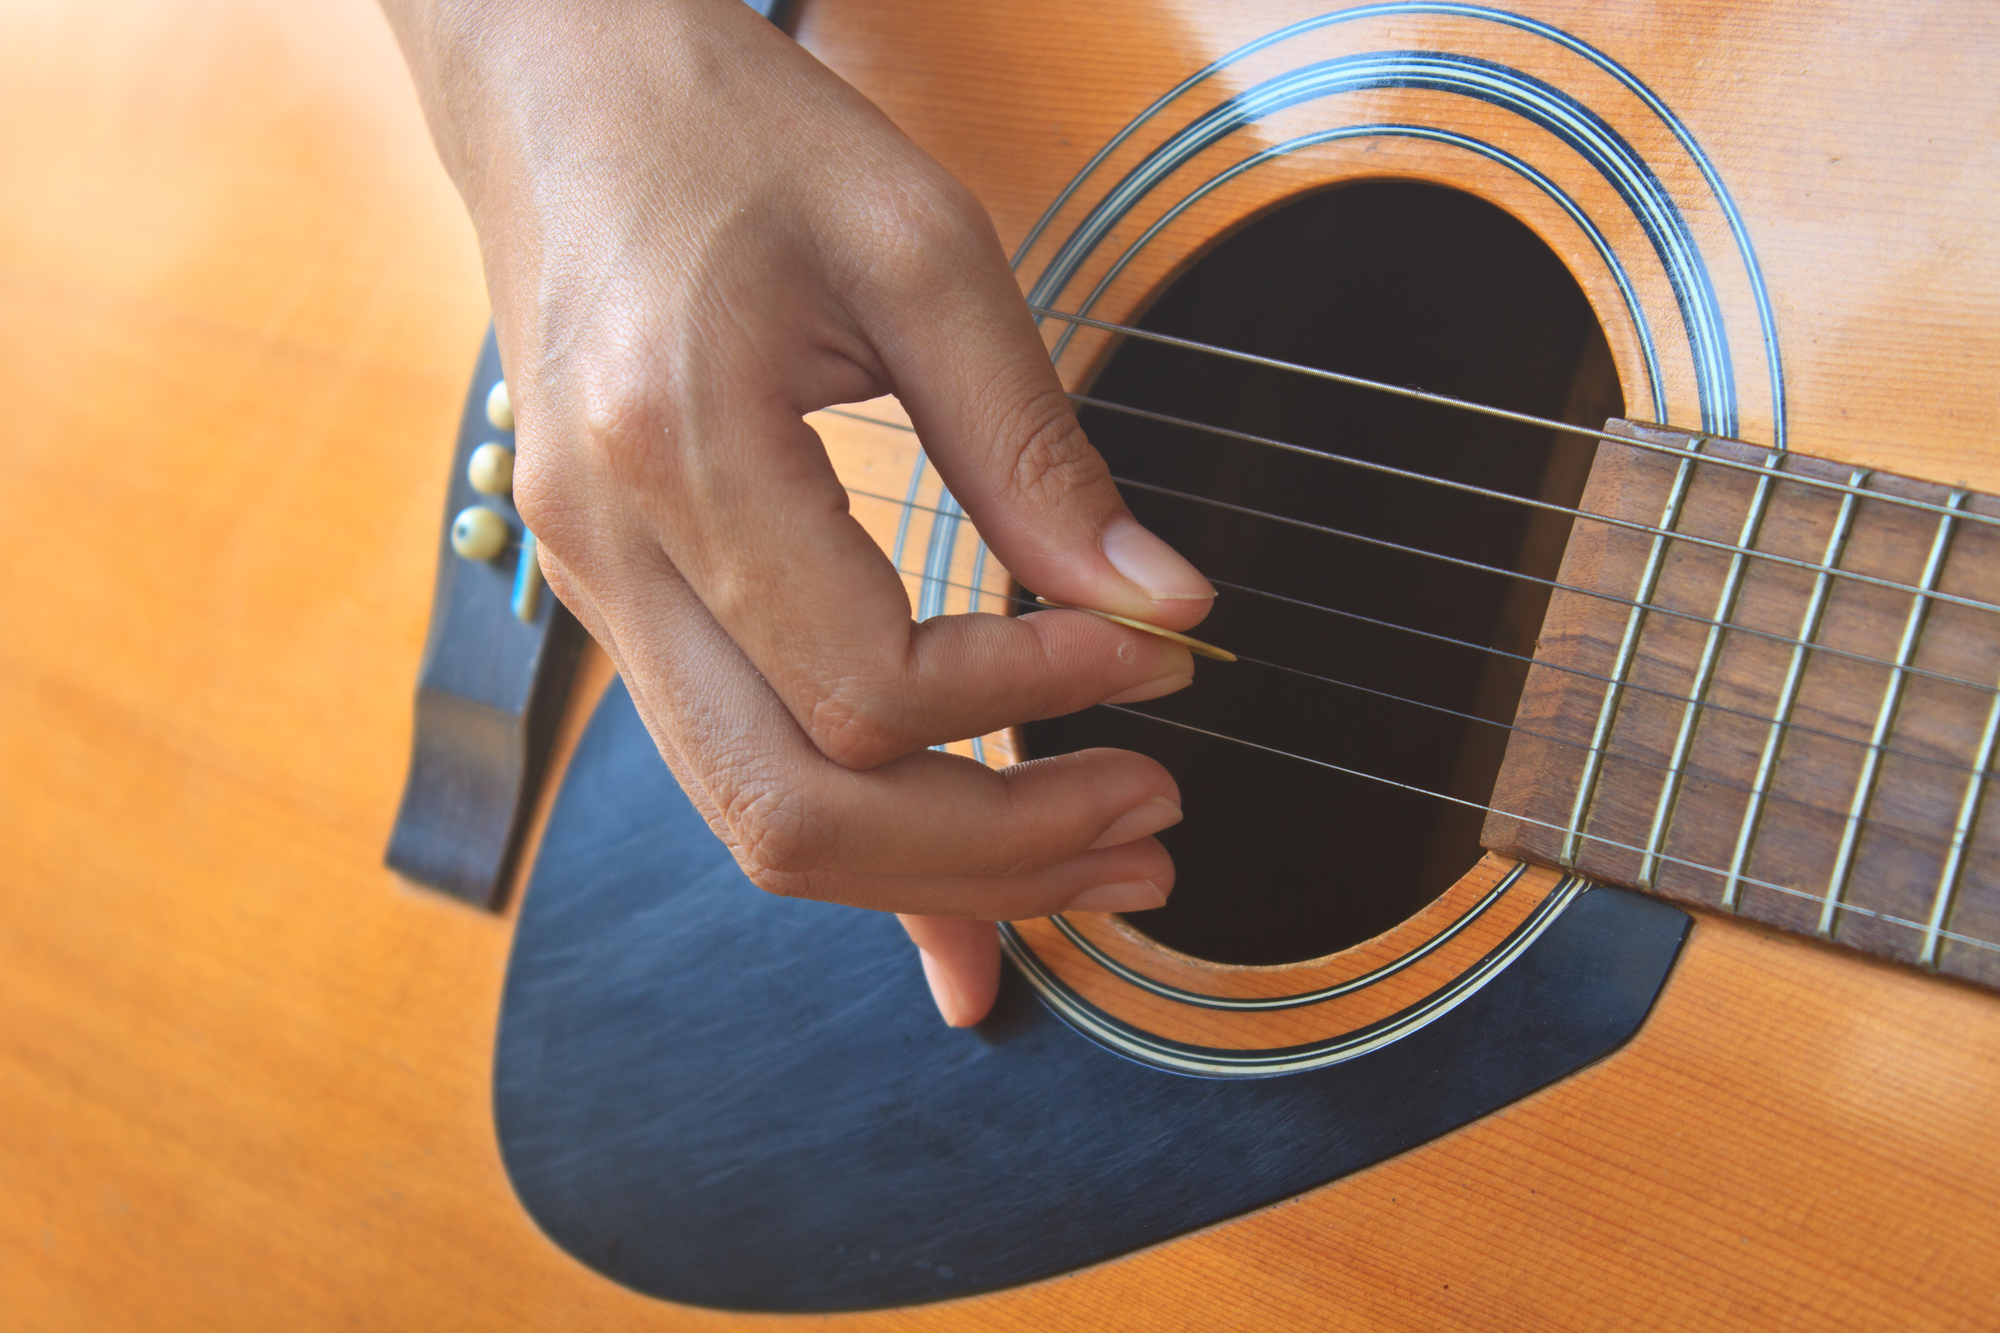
<point x="247" y="1077"/>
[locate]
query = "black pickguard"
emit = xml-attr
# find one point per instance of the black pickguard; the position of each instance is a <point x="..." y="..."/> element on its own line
<point x="729" y="1099"/>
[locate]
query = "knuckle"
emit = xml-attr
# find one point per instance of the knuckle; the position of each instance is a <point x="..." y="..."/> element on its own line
<point x="573" y="467"/>
<point x="1053" y="459"/>
<point x="849" y="726"/>
<point x="922" y="227"/>
<point x="928" y="204"/>
<point x="629" y="427"/>
<point x="779" y="836"/>
<point x="540" y="492"/>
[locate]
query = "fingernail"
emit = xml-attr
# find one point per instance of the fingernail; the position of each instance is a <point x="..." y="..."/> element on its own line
<point x="1148" y="817"/>
<point x="1152" y="564"/>
<point x="943" y="994"/>
<point x="1133" y="895"/>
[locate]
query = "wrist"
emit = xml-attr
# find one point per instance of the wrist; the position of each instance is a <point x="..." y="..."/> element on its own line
<point x="496" y="77"/>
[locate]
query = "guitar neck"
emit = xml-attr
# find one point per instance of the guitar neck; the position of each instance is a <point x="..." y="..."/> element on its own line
<point x="1766" y="685"/>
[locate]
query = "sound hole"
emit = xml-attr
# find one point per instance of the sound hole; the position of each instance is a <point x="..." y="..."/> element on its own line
<point x="1410" y="284"/>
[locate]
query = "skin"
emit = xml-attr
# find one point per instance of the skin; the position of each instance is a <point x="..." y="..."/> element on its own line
<point x="695" y="234"/>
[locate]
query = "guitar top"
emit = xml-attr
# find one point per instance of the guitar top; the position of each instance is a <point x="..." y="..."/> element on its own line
<point x="248" y="1073"/>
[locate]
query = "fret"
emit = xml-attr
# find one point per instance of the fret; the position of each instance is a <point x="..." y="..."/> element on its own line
<point x="1788" y="694"/>
<point x="1725" y="606"/>
<point x="1961" y="834"/>
<point x="1824" y="771"/>
<point x="1627" y="645"/>
<point x="1885" y="716"/>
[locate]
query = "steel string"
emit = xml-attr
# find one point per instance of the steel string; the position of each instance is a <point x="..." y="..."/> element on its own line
<point x="1787" y="641"/>
<point x="1850" y="908"/>
<point x="1669" y="695"/>
<point x="1502" y="413"/>
<point x="1490" y="493"/>
<point x="1768" y="469"/>
<point x="1526" y="819"/>
<point x="1842" y="815"/>
<point x="1883" y="747"/>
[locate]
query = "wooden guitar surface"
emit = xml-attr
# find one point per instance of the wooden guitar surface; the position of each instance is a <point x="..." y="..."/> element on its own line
<point x="245" y="1072"/>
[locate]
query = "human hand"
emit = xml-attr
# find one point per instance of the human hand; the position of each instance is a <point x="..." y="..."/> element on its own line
<point x="695" y="234"/>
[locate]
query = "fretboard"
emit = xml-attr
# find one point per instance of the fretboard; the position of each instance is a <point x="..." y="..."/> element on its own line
<point x="1772" y="737"/>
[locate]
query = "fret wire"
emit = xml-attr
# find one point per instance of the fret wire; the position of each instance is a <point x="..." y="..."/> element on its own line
<point x="1788" y="693"/>
<point x="1475" y="647"/>
<point x="1961" y="834"/>
<point x="1704" y="675"/>
<point x="1504" y="414"/>
<point x="1918" y="834"/>
<point x="1473" y="564"/>
<point x="1621" y="665"/>
<point x="1738" y="550"/>
<point x="1526" y="819"/>
<point x="1548" y="583"/>
<point x="1032" y="605"/>
<point x="1892" y="699"/>
<point x="1588" y="675"/>
<point x="1725" y="783"/>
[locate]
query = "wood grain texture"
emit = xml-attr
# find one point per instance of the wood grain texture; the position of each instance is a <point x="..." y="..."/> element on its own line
<point x="1489" y="924"/>
<point x="244" y="1073"/>
<point x="1868" y="194"/>
<point x="1676" y="802"/>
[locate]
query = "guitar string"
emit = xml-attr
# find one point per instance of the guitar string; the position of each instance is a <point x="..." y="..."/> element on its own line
<point x="1761" y="719"/>
<point x="1881" y="747"/>
<point x="1844" y="816"/>
<point x="1769" y="469"/>
<point x="1784" y="640"/>
<point x="1507" y="414"/>
<point x="1772" y="465"/>
<point x="1488" y="492"/>
<point x="1818" y="898"/>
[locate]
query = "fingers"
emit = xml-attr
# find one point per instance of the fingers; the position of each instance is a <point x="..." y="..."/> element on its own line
<point x="737" y="492"/>
<point x="967" y="362"/>
<point x="758" y="525"/>
<point x="681" y="284"/>
<point x="961" y="961"/>
<point x="959" y="953"/>
<point x="961" y="956"/>
<point x="1135" y="877"/>
<point x="929" y="832"/>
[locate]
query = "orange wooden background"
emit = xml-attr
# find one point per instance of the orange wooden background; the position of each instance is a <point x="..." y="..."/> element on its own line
<point x="244" y="1071"/>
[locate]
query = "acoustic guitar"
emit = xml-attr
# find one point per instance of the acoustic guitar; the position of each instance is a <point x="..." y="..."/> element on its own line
<point x="1585" y="915"/>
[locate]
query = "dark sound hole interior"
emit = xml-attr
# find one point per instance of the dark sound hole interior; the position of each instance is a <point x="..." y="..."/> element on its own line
<point x="1410" y="284"/>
